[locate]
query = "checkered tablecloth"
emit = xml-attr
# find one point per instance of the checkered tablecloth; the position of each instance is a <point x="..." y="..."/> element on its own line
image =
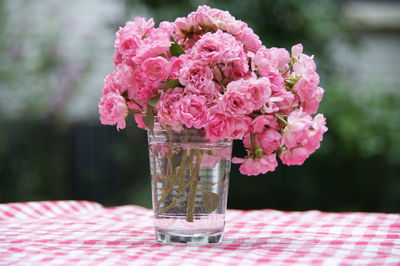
<point x="85" y="233"/>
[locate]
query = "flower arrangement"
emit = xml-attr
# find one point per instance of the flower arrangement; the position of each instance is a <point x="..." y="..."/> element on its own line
<point x="210" y="71"/>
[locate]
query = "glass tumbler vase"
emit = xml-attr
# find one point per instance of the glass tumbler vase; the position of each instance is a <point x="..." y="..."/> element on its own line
<point x="189" y="178"/>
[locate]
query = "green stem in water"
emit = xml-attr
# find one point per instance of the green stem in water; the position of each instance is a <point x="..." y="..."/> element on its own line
<point x="177" y="178"/>
<point x="179" y="198"/>
<point x="191" y="202"/>
<point x="173" y="177"/>
<point x="172" y="204"/>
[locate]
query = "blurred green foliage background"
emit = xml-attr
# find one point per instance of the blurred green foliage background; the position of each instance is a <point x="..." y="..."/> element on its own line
<point x="55" y="54"/>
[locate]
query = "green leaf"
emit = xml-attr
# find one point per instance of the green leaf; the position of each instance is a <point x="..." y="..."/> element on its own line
<point x="211" y="201"/>
<point x="172" y="84"/>
<point x="148" y="120"/>
<point x="176" y="50"/>
<point x="153" y="101"/>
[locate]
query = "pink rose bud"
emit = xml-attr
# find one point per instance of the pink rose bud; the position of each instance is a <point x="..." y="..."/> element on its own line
<point x="297" y="50"/>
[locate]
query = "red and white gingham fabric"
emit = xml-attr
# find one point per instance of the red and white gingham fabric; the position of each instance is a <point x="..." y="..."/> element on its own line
<point x="85" y="233"/>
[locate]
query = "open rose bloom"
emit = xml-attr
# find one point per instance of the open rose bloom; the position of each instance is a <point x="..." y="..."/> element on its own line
<point x="210" y="71"/>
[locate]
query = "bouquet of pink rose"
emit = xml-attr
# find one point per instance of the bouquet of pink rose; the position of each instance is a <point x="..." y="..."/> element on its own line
<point x="210" y="71"/>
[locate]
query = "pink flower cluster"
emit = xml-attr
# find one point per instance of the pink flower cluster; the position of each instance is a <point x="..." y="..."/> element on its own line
<point x="210" y="71"/>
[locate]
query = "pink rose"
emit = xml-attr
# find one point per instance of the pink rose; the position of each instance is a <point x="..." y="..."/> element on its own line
<point x="287" y="102"/>
<point x="237" y="101"/>
<point x="157" y="43"/>
<point x="284" y="100"/>
<point x="294" y="156"/>
<point x="155" y="70"/>
<point x="167" y="26"/>
<point x="209" y="49"/>
<point x="309" y="75"/>
<point x="247" y="141"/>
<point x="113" y="110"/>
<point x="129" y="38"/>
<point x="166" y="107"/>
<point x="141" y="91"/>
<point x="141" y="26"/>
<point x="296" y="130"/>
<point x="117" y="58"/>
<point x="316" y="132"/>
<point x="245" y="34"/>
<point x="234" y="53"/>
<point x="127" y="45"/>
<point x="260" y="91"/>
<point x="218" y="47"/>
<point x="297" y="50"/>
<point x="277" y="83"/>
<point x="217" y="124"/>
<point x="256" y="166"/>
<point x="310" y="96"/>
<point x="110" y="84"/>
<point x="263" y="122"/>
<point x="269" y="140"/>
<point x="238" y="127"/>
<point x="183" y="26"/>
<point x="206" y="16"/>
<point x="270" y="107"/>
<point x="244" y="96"/>
<point x="229" y="24"/>
<point x="191" y="111"/>
<point x="197" y="80"/>
<point x="212" y="19"/>
<point x="308" y="144"/>
<point x="237" y="69"/>
<point x="304" y="64"/>
<point x="175" y="65"/>
<point x="124" y="77"/>
<point x="272" y="60"/>
<point x="192" y="73"/>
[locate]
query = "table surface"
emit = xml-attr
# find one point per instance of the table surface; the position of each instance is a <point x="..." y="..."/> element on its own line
<point x="86" y="233"/>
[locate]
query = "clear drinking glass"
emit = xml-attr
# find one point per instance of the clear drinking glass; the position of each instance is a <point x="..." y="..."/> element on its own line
<point x="189" y="176"/>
